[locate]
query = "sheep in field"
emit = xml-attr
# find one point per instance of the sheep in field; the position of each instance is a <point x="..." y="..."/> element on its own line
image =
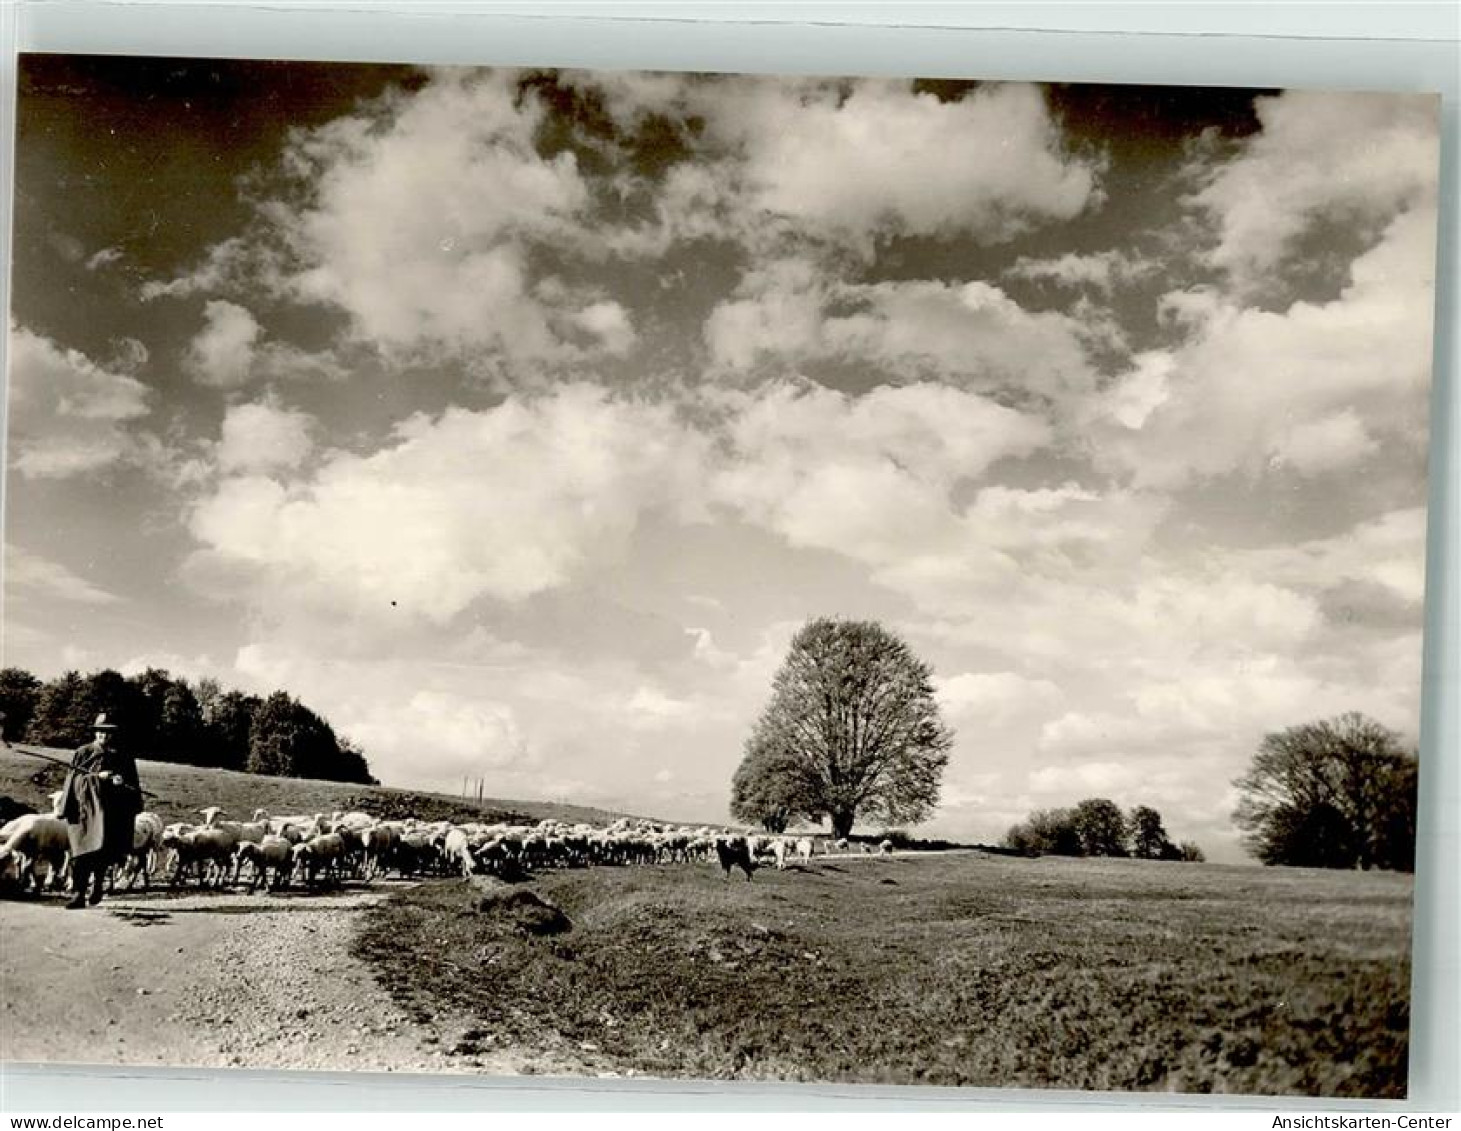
<point x="34" y="848"/>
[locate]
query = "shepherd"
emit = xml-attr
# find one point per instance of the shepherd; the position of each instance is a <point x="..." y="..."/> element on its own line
<point x="99" y="803"/>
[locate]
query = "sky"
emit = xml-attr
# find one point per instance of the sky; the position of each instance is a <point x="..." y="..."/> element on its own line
<point x="515" y="420"/>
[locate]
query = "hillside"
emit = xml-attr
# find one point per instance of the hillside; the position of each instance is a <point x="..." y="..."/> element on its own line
<point x="182" y="790"/>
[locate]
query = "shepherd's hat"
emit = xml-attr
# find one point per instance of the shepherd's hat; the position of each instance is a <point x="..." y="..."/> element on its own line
<point x="102" y="724"/>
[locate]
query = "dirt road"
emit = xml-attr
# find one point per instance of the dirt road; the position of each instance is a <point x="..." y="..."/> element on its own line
<point x="209" y="979"/>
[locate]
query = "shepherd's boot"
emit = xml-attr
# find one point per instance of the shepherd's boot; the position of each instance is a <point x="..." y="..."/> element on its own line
<point x="80" y="875"/>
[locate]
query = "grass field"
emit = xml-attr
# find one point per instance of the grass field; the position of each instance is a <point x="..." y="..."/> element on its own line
<point x="941" y="969"/>
<point x="182" y="790"/>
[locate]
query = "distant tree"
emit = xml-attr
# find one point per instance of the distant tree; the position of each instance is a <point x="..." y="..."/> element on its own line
<point x="1190" y="853"/>
<point x="208" y="691"/>
<point x="63" y="714"/>
<point x="1046" y="832"/>
<point x="351" y="765"/>
<point x="854" y="708"/>
<point x="19" y="693"/>
<point x="151" y="687"/>
<point x="273" y="737"/>
<point x="181" y="736"/>
<point x="1102" y="827"/>
<point x="1149" y="840"/>
<point x="287" y="739"/>
<point x="1337" y="793"/>
<point x="228" y="719"/>
<point x="772" y="787"/>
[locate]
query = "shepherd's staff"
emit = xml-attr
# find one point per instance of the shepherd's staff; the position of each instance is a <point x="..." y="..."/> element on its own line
<point x="90" y="773"/>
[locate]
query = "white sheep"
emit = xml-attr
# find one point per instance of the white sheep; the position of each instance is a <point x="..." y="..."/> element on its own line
<point x="272" y="854"/>
<point x="35" y="847"/>
<point x="316" y="856"/>
<point x="209" y="851"/>
<point x="147" y="831"/>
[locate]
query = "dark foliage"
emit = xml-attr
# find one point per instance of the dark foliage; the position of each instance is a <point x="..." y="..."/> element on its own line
<point x="167" y="719"/>
<point x="19" y="692"/>
<point x="1097" y="827"/>
<point x="1337" y="793"/>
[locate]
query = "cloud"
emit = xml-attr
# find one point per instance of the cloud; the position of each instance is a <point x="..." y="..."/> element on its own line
<point x="234" y="264"/>
<point x="222" y="354"/>
<point x="849" y="162"/>
<point x="1387" y="551"/>
<point x="1100" y="271"/>
<point x="503" y="503"/>
<point x="1312" y="389"/>
<point x="260" y="437"/>
<point x="1349" y="156"/>
<point x="868" y="476"/>
<point x="104" y="258"/>
<point x="40" y="577"/>
<point x="993" y="699"/>
<point x="68" y="416"/>
<point x="420" y="221"/>
<point x="788" y="312"/>
<point x="440" y="734"/>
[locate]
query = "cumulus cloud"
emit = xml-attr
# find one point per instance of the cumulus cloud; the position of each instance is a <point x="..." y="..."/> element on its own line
<point x="1356" y="157"/>
<point x="1312" y="388"/>
<point x="1387" y="551"/>
<point x="421" y="217"/>
<point x="260" y="437"/>
<point x="992" y="699"/>
<point x="881" y="159"/>
<point x="440" y="734"/>
<point x="68" y="416"/>
<point x="869" y="476"/>
<point x="222" y="353"/>
<point x="503" y="503"/>
<point x="852" y="161"/>
<point x="971" y="334"/>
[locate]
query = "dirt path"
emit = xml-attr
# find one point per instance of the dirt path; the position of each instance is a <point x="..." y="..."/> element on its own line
<point x="208" y="979"/>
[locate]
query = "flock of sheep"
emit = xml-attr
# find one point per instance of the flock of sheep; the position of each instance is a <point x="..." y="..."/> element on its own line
<point x="278" y="852"/>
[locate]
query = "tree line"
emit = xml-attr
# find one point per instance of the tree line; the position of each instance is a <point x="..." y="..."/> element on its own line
<point x="169" y="719"/>
<point x="1098" y="827"/>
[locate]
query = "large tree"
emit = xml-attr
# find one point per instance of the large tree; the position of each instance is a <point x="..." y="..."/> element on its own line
<point x="1337" y="793"/>
<point x="852" y="728"/>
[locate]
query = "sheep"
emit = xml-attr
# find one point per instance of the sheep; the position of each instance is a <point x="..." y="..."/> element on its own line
<point x="378" y="844"/>
<point x="804" y="848"/>
<point x="273" y="853"/>
<point x="252" y="830"/>
<point x="456" y="851"/>
<point x="210" y="851"/>
<point x="147" y="830"/>
<point x="317" y="855"/>
<point x="778" y="850"/>
<point x="35" y="847"/>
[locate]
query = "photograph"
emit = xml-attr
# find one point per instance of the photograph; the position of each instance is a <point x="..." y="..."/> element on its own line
<point x="520" y="571"/>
